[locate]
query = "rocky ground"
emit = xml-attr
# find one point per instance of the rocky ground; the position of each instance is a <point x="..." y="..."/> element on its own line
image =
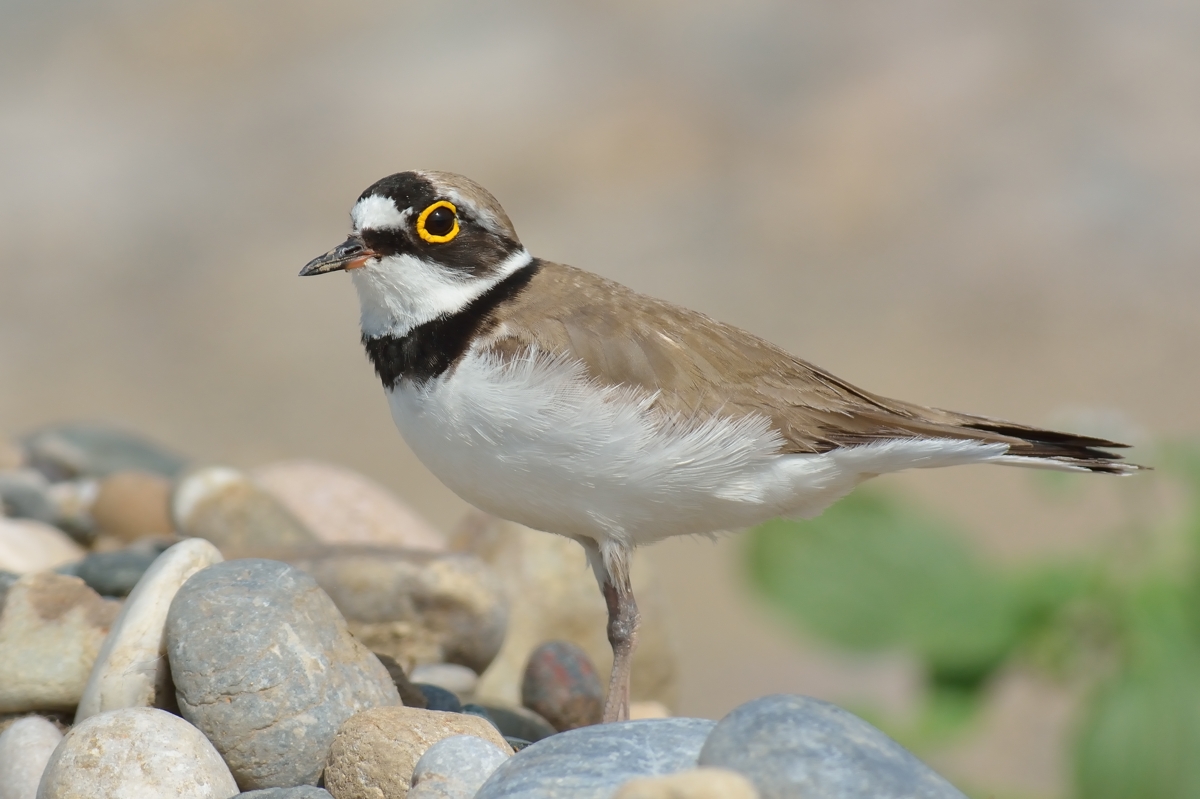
<point x="170" y="629"/>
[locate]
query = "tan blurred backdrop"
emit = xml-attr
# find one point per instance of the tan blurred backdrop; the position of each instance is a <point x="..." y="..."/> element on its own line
<point x="992" y="207"/>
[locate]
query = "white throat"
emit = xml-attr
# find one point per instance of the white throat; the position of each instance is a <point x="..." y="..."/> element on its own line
<point x="401" y="292"/>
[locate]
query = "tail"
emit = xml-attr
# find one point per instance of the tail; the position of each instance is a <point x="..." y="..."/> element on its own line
<point x="1050" y="449"/>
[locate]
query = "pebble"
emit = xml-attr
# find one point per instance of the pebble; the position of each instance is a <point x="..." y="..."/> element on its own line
<point x="343" y="507"/>
<point x="225" y="507"/>
<point x="451" y="676"/>
<point x="135" y="753"/>
<point x="25" y="748"/>
<point x="550" y="598"/>
<point x="798" y="746"/>
<point x="298" y="792"/>
<point x="82" y="449"/>
<point x="51" y="629"/>
<point x="410" y="694"/>
<point x="699" y="783"/>
<point x="561" y="685"/>
<point x="132" y="504"/>
<point x="592" y="762"/>
<point x="455" y="767"/>
<point x="264" y="665"/>
<point x="519" y="722"/>
<point x="438" y="698"/>
<point x="31" y="546"/>
<point x="116" y="573"/>
<point x="418" y="607"/>
<point x="25" y="494"/>
<point x="131" y="669"/>
<point x="375" y="751"/>
<point x="73" y="500"/>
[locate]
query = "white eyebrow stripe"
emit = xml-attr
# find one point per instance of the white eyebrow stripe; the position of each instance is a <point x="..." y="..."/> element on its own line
<point x="378" y="213"/>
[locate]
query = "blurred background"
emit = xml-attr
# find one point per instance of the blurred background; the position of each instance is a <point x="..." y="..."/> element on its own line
<point x="989" y="207"/>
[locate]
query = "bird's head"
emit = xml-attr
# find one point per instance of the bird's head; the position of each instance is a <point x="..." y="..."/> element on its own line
<point x="423" y="245"/>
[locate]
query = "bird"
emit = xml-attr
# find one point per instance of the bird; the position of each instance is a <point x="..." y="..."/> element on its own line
<point x="556" y="398"/>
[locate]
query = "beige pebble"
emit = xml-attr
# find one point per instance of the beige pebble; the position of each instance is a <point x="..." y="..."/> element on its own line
<point x="344" y="507"/>
<point x="133" y="504"/>
<point x="131" y="669"/>
<point x="51" y="630"/>
<point x="375" y="751"/>
<point x="700" y="783"/>
<point x="25" y="748"/>
<point x="227" y="508"/>
<point x="30" y="546"/>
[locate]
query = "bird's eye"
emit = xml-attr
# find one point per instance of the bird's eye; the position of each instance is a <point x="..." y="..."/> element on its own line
<point x="438" y="223"/>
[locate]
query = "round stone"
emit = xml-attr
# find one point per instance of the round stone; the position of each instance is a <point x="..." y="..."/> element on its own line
<point x="25" y="748"/>
<point x="130" y="505"/>
<point x="51" y="629"/>
<point x="264" y="665"/>
<point x="135" y="753"/>
<point x="438" y="698"/>
<point x="561" y="685"/>
<point x="519" y="722"/>
<point x="410" y="694"/>
<point x="798" y="746"/>
<point x="452" y="676"/>
<point x="592" y="762"/>
<point x="375" y="752"/>
<point x="25" y="494"/>
<point x="225" y="507"/>
<point x="344" y="507"/>
<point x="30" y="546"/>
<point x="89" y="450"/>
<point x="132" y="670"/>
<point x="699" y="783"/>
<point x="116" y="573"/>
<point x="456" y="766"/>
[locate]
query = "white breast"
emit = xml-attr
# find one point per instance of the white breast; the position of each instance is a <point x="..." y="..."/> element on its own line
<point x="536" y="442"/>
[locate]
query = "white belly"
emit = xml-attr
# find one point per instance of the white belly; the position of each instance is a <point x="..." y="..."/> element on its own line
<point x="535" y="442"/>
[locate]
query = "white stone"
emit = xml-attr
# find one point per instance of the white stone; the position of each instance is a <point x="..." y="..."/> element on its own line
<point x="136" y="753"/>
<point x="25" y="748"/>
<point x="30" y="546"/>
<point x="131" y="669"/>
<point x="451" y="676"/>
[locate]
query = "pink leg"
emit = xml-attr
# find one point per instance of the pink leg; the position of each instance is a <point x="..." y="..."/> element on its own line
<point x="623" y="621"/>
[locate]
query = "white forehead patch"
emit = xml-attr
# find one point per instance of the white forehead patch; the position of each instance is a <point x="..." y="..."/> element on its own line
<point x="378" y="213"/>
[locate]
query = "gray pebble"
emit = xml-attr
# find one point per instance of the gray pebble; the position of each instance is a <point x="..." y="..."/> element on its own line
<point x="454" y="768"/>
<point x="116" y="573"/>
<point x="264" y="665"/>
<point x="298" y="792"/>
<point x="25" y="494"/>
<point x="89" y="450"/>
<point x="519" y="722"/>
<point x="592" y="762"/>
<point x="798" y="746"/>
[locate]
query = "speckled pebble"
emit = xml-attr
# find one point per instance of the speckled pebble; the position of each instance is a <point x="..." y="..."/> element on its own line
<point x="592" y="762"/>
<point x="264" y="665"/>
<point x="561" y="685"/>
<point x="455" y="767"/>
<point x="25" y="748"/>
<point x="136" y="753"/>
<point x="798" y="746"/>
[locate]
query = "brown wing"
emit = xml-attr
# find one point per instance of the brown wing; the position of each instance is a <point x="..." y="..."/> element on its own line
<point x="699" y="366"/>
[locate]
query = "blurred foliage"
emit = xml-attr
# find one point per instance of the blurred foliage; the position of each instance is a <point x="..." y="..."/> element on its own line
<point x="874" y="573"/>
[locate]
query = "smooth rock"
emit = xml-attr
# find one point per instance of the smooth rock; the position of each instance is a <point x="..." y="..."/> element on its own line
<point x="700" y="783"/>
<point x="418" y="607"/>
<point x="552" y="596"/>
<point x="455" y="767"/>
<point x="344" y="507"/>
<point x="136" y="753"/>
<point x="73" y="500"/>
<point x="592" y="762"/>
<point x="375" y="751"/>
<point x="798" y="746"/>
<point x="561" y="685"/>
<point x="438" y="698"/>
<point x="451" y="676"/>
<point x="25" y="494"/>
<point x="131" y="669"/>
<point x="51" y="629"/>
<point x="225" y="507"/>
<point x="519" y="722"/>
<point x="410" y="694"/>
<point x="297" y="792"/>
<point x="82" y="449"/>
<point x="25" y="748"/>
<point x="115" y="574"/>
<point x="264" y="665"/>
<point x="30" y="546"/>
<point x="130" y="505"/>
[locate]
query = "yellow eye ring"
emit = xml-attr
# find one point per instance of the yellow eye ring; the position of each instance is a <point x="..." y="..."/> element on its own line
<point x="434" y="238"/>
